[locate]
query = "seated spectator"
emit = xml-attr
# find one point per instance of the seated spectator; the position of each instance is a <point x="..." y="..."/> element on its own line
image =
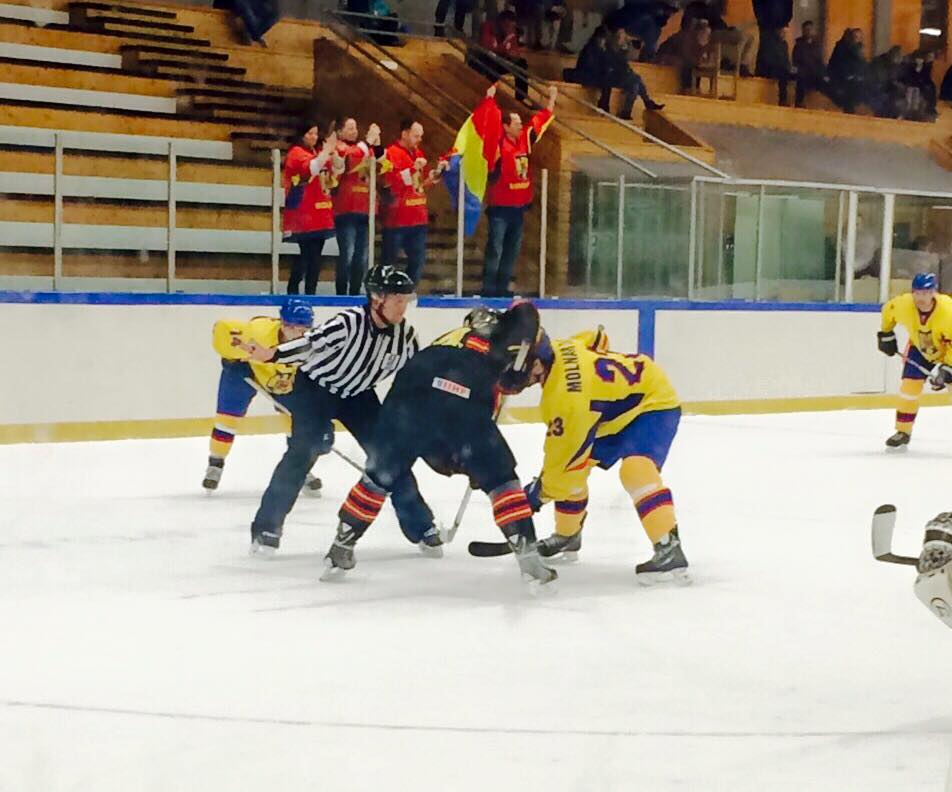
<point x="644" y="20"/>
<point x="713" y="12"/>
<point x="848" y="71"/>
<point x="689" y="49"/>
<point x="385" y="21"/>
<point x="500" y="36"/>
<point x="773" y="56"/>
<point x="808" y="65"/>
<point x="884" y="92"/>
<point x="945" y="92"/>
<point x="460" y="9"/>
<point x="920" y="93"/>
<point x="603" y="63"/>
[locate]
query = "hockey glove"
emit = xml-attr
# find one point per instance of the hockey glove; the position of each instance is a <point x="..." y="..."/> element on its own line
<point x="534" y="494"/>
<point x="940" y="377"/>
<point x="887" y="343"/>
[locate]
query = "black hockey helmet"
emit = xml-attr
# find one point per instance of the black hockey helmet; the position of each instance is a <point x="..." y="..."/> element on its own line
<point x="482" y="320"/>
<point x="518" y="334"/>
<point x="386" y="279"/>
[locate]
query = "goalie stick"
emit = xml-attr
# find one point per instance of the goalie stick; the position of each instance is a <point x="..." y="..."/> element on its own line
<point x="884" y="522"/>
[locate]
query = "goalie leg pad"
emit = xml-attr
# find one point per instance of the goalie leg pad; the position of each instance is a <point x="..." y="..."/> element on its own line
<point x="934" y="590"/>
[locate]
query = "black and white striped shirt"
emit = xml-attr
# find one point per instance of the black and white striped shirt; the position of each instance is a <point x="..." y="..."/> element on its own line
<point x="348" y="353"/>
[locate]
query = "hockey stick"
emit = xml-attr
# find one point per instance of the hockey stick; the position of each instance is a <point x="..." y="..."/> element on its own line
<point x="450" y="534"/>
<point x="489" y="549"/>
<point x="884" y="522"/>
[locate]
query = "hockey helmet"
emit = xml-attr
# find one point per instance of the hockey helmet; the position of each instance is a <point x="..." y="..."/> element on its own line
<point x="386" y="279"/>
<point x="925" y="281"/>
<point x="297" y="312"/>
<point x="526" y="342"/>
<point x="482" y="320"/>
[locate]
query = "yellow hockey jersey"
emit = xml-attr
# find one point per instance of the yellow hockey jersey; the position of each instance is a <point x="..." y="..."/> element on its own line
<point x="277" y="378"/>
<point x="932" y="336"/>
<point x="589" y="395"/>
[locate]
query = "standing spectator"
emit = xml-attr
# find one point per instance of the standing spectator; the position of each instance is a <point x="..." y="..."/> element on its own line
<point x="309" y="176"/>
<point x="460" y="9"/>
<point x="501" y="37"/>
<point x="352" y="203"/>
<point x="509" y="195"/>
<point x="548" y="24"/>
<point x="773" y="56"/>
<point x="808" y="63"/>
<point x="404" y="208"/>
<point x="848" y="70"/>
<point x="644" y="20"/>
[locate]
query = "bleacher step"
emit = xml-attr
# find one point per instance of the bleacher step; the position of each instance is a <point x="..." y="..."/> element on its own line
<point x="133" y="32"/>
<point x="268" y="100"/>
<point x="153" y="65"/>
<point x="124" y="9"/>
<point x="154" y="49"/>
<point x="95" y="20"/>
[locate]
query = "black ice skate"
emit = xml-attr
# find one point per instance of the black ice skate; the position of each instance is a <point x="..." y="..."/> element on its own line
<point x="213" y="473"/>
<point x="898" y="440"/>
<point x="340" y="557"/>
<point x="565" y="547"/>
<point x="431" y="545"/>
<point x="312" y="486"/>
<point x="264" y="543"/>
<point x="667" y="563"/>
<point x="533" y="570"/>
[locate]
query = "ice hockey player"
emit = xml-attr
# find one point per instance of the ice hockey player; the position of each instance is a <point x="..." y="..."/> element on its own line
<point x="340" y="362"/>
<point x="239" y="377"/>
<point x="441" y="409"/>
<point x="601" y="408"/>
<point x="933" y="585"/>
<point x="927" y="317"/>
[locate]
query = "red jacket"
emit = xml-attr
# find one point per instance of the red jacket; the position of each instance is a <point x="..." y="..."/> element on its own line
<point x="510" y="183"/>
<point x="307" y="200"/>
<point x="492" y="39"/>
<point x="353" y="192"/>
<point x="404" y="203"/>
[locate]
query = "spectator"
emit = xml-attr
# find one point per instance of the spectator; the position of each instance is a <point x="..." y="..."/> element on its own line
<point x="620" y="75"/>
<point x="403" y="204"/>
<point x="885" y="94"/>
<point x="500" y="37"/>
<point x="643" y="20"/>
<point x="352" y="203"/>
<point x="916" y="77"/>
<point x="713" y="12"/>
<point x="548" y="24"/>
<point x="945" y="92"/>
<point x="460" y="9"/>
<point x="848" y="70"/>
<point x="773" y="56"/>
<point x="688" y="49"/>
<point x="808" y="65"/>
<point x="509" y="195"/>
<point x="257" y="17"/>
<point x="308" y="220"/>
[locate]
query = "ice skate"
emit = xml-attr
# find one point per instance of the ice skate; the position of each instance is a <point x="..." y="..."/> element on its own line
<point x="264" y="544"/>
<point x="431" y="545"/>
<point x="898" y="440"/>
<point x="312" y="486"/>
<point x="667" y="564"/>
<point x="340" y="556"/>
<point x="559" y="547"/>
<point x="213" y="473"/>
<point x="534" y="572"/>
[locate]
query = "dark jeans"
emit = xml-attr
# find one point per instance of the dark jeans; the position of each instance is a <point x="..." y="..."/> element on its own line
<point x="631" y="86"/>
<point x="412" y="241"/>
<point x="493" y="69"/>
<point x="805" y="85"/>
<point x="502" y="248"/>
<point x="460" y="9"/>
<point x="307" y="265"/>
<point x="351" y="232"/>
<point x="312" y="435"/>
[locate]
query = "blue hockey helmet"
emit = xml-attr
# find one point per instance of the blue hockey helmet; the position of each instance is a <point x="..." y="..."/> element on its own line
<point x="297" y="312"/>
<point x="925" y="281"/>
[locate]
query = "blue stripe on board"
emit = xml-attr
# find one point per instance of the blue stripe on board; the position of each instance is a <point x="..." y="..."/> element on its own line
<point x="646" y="331"/>
<point x="134" y="298"/>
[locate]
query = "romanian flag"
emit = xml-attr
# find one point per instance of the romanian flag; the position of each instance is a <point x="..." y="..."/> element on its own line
<point x="474" y="156"/>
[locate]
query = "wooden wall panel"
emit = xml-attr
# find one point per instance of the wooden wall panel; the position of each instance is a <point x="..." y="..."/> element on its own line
<point x="842" y="14"/>
<point x="904" y="24"/>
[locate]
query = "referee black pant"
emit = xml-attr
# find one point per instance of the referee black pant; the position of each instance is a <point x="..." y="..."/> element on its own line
<point x="312" y="435"/>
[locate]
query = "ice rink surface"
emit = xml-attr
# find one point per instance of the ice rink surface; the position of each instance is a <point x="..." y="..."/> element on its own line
<point x="144" y="650"/>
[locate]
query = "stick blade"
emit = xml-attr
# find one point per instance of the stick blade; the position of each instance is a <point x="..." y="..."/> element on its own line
<point x="884" y="523"/>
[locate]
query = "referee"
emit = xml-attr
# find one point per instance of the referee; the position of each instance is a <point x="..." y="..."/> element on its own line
<point x="341" y="361"/>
